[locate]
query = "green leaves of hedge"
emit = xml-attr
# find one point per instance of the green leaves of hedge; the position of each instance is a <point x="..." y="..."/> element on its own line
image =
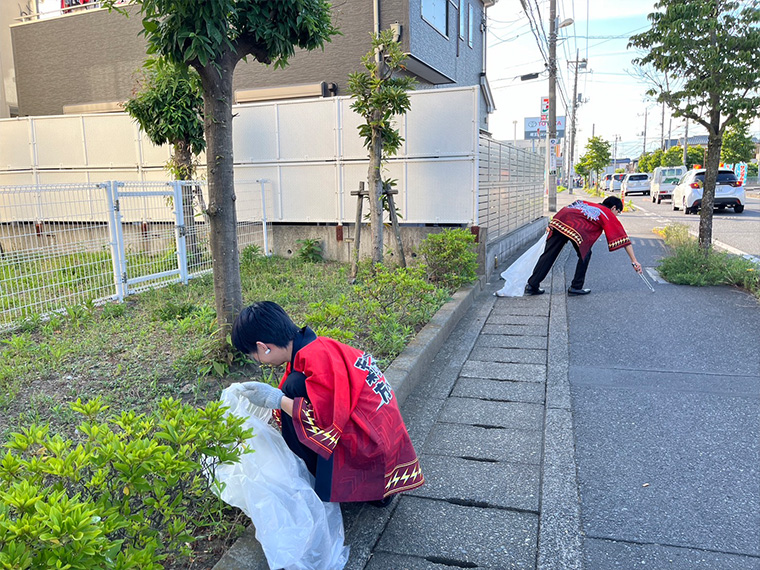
<point x="129" y="491"/>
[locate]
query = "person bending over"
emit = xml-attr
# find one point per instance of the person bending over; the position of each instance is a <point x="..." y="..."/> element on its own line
<point x="581" y="223"/>
<point x="341" y="415"/>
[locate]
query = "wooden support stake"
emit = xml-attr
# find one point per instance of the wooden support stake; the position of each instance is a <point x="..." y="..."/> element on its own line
<point x="360" y="194"/>
<point x="394" y="224"/>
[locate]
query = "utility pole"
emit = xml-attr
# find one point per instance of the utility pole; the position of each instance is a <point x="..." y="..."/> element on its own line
<point x="514" y="134"/>
<point x="670" y="127"/>
<point x="551" y="132"/>
<point x="686" y="142"/>
<point x="662" y="129"/>
<point x="646" y="114"/>
<point x="570" y="164"/>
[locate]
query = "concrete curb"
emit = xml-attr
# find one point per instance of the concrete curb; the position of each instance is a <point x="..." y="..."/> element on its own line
<point x="406" y="369"/>
<point x="560" y="537"/>
<point x="403" y="374"/>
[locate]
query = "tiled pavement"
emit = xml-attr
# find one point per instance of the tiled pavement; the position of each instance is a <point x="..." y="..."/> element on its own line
<point x="478" y="420"/>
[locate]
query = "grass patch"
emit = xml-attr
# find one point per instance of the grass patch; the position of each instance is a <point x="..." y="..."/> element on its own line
<point x="688" y="264"/>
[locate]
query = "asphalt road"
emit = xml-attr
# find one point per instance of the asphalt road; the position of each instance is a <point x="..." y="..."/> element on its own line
<point x="741" y="231"/>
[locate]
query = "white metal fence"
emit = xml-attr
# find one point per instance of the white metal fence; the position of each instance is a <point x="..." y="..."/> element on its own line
<point x="511" y="188"/>
<point x="70" y="244"/>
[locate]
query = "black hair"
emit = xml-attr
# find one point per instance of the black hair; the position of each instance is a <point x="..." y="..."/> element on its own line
<point x="264" y="321"/>
<point x="613" y="202"/>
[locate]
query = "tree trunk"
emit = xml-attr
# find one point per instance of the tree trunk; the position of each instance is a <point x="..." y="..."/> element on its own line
<point x="714" y="141"/>
<point x="217" y="97"/>
<point x="375" y="189"/>
<point x="183" y="161"/>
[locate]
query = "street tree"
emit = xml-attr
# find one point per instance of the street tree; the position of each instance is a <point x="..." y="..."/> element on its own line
<point x="695" y="155"/>
<point x="212" y="37"/>
<point x="643" y="162"/>
<point x="597" y="156"/>
<point x="709" y="53"/>
<point x="737" y="145"/>
<point x="672" y="157"/>
<point x="380" y="93"/>
<point x="655" y="159"/>
<point x="168" y="105"/>
<point x="582" y="169"/>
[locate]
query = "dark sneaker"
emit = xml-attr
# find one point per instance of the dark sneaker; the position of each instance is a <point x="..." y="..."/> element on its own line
<point x="533" y="290"/>
<point x="572" y="292"/>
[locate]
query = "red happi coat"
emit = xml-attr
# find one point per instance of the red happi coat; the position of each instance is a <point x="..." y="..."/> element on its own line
<point x="351" y="420"/>
<point x="583" y="222"/>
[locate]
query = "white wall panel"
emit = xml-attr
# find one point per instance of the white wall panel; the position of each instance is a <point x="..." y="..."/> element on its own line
<point x="309" y="149"/>
<point x="248" y="192"/>
<point x="15" y="146"/>
<point x="110" y="140"/>
<point x="153" y="155"/>
<point x="352" y="144"/>
<point x="60" y="142"/>
<point x="356" y="172"/>
<point x="307" y="130"/>
<point x="65" y="177"/>
<point x="442" y="123"/>
<point x="309" y="193"/>
<point x="16" y="179"/>
<point x="254" y="133"/>
<point x="440" y="192"/>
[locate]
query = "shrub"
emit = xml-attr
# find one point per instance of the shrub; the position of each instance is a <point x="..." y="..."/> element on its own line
<point x="688" y="264"/>
<point x="134" y="490"/>
<point x="250" y="253"/>
<point x="310" y="250"/>
<point x="382" y="312"/>
<point x="450" y="258"/>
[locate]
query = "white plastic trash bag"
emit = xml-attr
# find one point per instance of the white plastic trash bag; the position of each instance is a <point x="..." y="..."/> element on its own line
<point x="297" y="531"/>
<point x="516" y="275"/>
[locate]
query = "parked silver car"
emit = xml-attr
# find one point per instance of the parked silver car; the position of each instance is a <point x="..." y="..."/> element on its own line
<point x="635" y="182"/>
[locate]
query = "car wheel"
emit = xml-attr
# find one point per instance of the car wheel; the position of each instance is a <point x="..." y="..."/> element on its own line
<point x="739" y="208"/>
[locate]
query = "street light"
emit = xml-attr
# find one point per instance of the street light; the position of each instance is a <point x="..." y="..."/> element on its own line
<point x="552" y="130"/>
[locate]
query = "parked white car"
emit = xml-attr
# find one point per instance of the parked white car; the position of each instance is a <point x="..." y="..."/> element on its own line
<point x="729" y="191"/>
<point x="664" y="180"/>
<point x="612" y="182"/>
<point x="635" y="182"/>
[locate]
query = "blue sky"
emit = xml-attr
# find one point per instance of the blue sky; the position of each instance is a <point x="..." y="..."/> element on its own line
<point x="615" y="97"/>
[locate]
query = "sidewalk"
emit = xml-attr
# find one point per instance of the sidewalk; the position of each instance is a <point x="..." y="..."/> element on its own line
<point x="491" y="423"/>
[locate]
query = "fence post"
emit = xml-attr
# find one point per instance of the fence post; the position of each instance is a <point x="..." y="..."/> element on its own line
<point x="263" y="181"/>
<point x="180" y="230"/>
<point x="117" y="238"/>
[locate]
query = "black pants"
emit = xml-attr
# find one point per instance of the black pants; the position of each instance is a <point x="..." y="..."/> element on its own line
<point x="554" y="245"/>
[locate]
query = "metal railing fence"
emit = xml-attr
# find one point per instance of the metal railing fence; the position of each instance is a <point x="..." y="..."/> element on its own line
<point x="64" y="245"/>
<point x="511" y="187"/>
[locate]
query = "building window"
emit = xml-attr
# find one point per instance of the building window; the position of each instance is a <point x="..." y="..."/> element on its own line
<point x="471" y="39"/>
<point x="462" y="19"/>
<point x="435" y="13"/>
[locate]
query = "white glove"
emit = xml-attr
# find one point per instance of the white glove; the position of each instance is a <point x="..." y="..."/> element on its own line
<point x="263" y="395"/>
